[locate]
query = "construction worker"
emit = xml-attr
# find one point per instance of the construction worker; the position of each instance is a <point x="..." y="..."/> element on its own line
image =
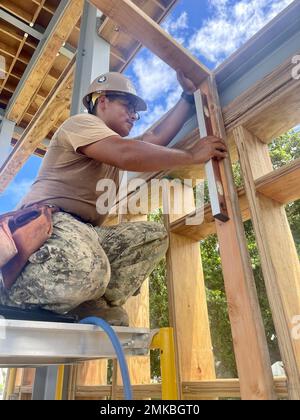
<point x="86" y="268"/>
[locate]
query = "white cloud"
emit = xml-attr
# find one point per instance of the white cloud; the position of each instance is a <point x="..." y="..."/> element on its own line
<point x="174" y="26"/>
<point x="17" y="190"/>
<point x="231" y="24"/>
<point x="157" y="84"/>
<point x="155" y="78"/>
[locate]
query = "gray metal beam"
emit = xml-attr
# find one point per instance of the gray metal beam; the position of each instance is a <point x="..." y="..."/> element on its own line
<point x="6" y="134"/>
<point x="20" y="24"/>
<point x="261" y="55"/>
<point x="44" y="386"/>
<point x="20" y="131"/>
<point x="68" y="51"/>
<point x="93" y="57"/>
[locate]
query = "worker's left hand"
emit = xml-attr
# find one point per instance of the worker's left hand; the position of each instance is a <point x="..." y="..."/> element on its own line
<point x="187" y="85"/>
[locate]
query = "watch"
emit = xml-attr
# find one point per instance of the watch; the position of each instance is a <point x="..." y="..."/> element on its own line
<point x="188" y="97"/>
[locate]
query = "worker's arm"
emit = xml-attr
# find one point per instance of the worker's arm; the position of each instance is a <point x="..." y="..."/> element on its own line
<point x="137" y="156"/>
<point x="171" y="124"/>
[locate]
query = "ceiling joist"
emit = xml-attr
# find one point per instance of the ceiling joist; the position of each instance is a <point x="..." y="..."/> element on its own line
<point x="58" y="32"/>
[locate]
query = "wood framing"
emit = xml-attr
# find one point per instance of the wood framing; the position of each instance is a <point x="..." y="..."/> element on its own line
<point x="279" y="259"/>
<point x="92" y="373"/>
<point x="188" y="313"/>
<point x="131" y="18"/>
<point x="138" y="309"/>
<point x="281" y="185"/>
<point x="45" y="59"/>
<point x="258" y="104"/>
<point x="243" y="307"/>
<point x="225" y="388"/>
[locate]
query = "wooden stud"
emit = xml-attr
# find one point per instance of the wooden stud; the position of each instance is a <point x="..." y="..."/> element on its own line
<point x="226" y="388"/>
<point x="250" y="346"/>
<point x="188" y="312"/>
<point x="138" y="311"/>
<point x="279" y="259"/>
<point x="92" y="373"/>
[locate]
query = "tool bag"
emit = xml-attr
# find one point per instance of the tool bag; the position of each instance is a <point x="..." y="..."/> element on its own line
<point x="22" y="233"/>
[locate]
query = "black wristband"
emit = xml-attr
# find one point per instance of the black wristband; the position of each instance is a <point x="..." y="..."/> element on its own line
<point x="188" y="97"/>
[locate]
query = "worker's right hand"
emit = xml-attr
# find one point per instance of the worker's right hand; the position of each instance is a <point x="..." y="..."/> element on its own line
<point x="207" y="148"/>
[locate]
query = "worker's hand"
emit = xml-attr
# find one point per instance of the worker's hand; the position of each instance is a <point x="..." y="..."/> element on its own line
<point x="208" y="148"/>
<point x="187" y="85"/>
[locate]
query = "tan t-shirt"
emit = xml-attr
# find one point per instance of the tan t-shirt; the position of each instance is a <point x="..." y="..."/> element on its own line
<point x="67" y="178"/>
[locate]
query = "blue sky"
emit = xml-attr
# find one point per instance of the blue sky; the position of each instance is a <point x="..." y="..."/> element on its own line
<point x="211" y="29"/>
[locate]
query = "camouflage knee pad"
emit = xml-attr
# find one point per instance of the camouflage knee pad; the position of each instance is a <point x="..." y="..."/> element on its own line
<point x="134" y="249"/>
<point x="70" y="268"/>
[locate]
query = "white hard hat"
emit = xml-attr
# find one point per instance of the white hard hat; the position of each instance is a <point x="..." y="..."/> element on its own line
<point x="114" y="82"/>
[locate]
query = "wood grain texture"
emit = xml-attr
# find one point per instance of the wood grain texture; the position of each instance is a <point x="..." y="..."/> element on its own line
<point x="250" y="346"/>
<point x="46" y="58"/>
<point x="279" y="259"/>
<point x="188" y="312"/>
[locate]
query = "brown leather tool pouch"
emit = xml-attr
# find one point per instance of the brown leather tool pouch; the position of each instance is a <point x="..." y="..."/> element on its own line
<point x="22" y="233"/>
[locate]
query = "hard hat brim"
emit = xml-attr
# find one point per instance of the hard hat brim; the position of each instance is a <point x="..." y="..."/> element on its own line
<point x="140" y="104"/>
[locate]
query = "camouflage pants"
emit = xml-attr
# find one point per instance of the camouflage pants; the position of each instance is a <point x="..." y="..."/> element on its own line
<point x="82" y="263"/>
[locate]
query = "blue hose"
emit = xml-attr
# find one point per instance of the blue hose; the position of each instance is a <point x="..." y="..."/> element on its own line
<point x="118" y="349"/>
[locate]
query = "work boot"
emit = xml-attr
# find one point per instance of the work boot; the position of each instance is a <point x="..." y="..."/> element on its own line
<point x="113" y="315"/>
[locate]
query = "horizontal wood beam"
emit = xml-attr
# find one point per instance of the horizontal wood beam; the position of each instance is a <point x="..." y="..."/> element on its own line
<point x="138" y="24"/>
<point x="281" y="185"/>
<point x="226" y="388"/>
<point x="16" y="10"/>
<point x="40" y="151"/>
<point x="48" y="7"/>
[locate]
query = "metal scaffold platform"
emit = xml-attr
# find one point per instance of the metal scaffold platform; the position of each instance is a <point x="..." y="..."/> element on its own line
<point x="33" y="343"/>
